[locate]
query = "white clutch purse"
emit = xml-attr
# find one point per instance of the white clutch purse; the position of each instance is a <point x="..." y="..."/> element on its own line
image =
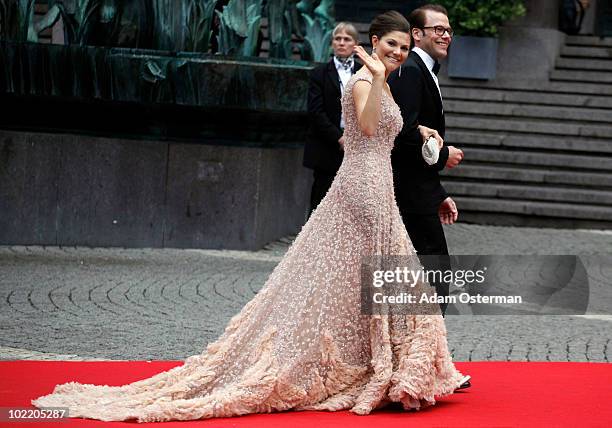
<point x="430" y="151"/>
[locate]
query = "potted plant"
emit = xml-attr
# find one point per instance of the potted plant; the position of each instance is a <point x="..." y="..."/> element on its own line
<point x="473" y="53"/>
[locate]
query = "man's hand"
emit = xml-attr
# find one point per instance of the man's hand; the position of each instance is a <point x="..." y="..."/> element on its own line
<point x="429" y="132"/>
<point x="455" y="156"/>
<point x="341" y="142"/>
<point x="448" y="212"/>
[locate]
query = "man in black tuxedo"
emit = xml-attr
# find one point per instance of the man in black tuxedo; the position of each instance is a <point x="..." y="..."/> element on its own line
<point x="324" y="148"/>
<point x="423" y="202"/>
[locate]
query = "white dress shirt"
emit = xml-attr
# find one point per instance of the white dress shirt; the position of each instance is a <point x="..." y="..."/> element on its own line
<point x="345" y="75"/>
<point x="429" y="62"/>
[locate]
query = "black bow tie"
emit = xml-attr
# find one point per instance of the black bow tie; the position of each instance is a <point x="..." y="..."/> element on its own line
<point x="436" y="68"/>
<point x="347" y="63"/>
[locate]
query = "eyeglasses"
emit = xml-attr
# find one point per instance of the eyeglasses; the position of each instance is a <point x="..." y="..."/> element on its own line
<point x="440" y="30"/>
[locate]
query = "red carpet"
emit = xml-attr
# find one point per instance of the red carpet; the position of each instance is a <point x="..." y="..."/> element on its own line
<point x="503" y="395"/>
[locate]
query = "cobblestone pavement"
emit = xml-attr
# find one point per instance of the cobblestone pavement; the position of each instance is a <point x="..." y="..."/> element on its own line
<point x="82" y="303"/>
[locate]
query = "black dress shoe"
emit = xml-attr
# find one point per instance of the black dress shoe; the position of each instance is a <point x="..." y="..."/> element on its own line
<point x="465" y="384"/>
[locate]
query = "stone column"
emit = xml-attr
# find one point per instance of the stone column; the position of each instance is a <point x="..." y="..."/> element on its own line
<point x="529" y="45"/>
<point x="590" y="19"/>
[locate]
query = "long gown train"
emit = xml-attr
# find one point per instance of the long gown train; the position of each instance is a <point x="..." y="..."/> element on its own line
<point x="302" y="343"/>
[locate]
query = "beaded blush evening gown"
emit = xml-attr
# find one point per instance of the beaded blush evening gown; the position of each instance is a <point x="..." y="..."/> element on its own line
<point x="302" y="343"/>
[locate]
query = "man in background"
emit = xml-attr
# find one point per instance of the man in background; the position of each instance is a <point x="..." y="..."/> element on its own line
<point x="324" y="148"/>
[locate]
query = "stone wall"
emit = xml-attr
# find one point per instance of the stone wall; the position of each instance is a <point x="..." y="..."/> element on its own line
<point x="62" y="189"/>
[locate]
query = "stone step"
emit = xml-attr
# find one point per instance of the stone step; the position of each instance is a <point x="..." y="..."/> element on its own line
<point x="584" y="64"/>
<point x="589" y="41"/>
<point x="544" y="159"/>
<point x="586" y="52"/>
<point x="536" y="177"/>
<point x="528" y="141"/>
<point x="525" y="97"/>
<point x="534" y="208"/>
<point x="581" y="76"/>
<point x="571" y="87"/>
<point x="528" y="111"/>
<point x="558" y="87"/>
<point x="527" y="126"/>
<point x="526" y="192"/>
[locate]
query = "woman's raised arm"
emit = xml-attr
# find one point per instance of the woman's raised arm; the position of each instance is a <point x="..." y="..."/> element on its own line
<point x="368" y="97"/>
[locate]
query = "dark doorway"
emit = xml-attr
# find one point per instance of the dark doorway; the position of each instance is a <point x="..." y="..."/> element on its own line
<point x="604" y="20"/>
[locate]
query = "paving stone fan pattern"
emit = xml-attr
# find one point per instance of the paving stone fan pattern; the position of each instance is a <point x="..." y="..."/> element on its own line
<point x="167" y="304"/>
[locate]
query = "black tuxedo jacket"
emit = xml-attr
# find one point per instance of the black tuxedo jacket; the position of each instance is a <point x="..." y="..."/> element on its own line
<point x="417" y="184"/>
<point x="322" y="151"/>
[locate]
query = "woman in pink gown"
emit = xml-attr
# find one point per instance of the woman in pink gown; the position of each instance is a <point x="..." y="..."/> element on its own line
<point x="302" y="342"/>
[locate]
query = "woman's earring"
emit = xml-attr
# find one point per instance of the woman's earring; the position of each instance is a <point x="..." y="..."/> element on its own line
<point x="373" y="51"/>
<point x="399" y="73"/>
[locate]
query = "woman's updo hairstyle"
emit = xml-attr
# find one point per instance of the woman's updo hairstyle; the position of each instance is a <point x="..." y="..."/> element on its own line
<point x="388" y="22"/>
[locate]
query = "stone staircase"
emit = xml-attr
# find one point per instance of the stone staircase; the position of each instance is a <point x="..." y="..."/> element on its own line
<point x="537" y="154"/>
